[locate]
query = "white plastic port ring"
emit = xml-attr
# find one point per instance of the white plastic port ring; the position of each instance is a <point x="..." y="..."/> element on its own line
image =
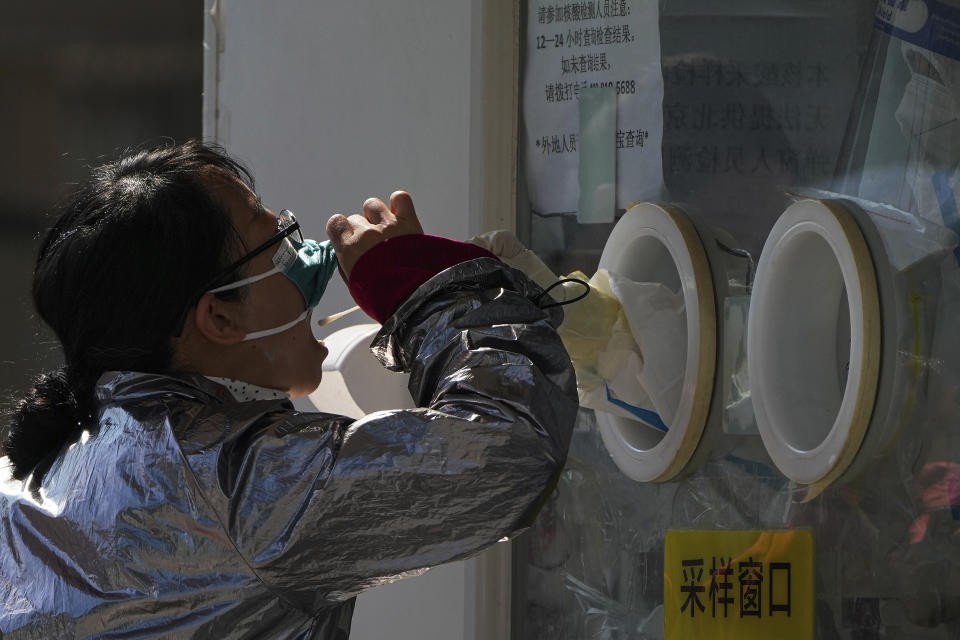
<point x="813" y="341"/>
<point x="354" y="382"/>
<point x="659" y="243"/>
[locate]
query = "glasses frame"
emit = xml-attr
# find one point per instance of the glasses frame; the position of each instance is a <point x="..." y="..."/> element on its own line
<point x="287" y="225"/>
<point x="283" y="231"/>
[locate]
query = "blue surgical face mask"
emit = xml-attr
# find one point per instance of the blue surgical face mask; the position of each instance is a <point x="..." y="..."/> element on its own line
<point x="309" y="265"/>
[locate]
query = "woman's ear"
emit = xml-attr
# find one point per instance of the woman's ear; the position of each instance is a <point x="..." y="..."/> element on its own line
<point x="219" y="321"/>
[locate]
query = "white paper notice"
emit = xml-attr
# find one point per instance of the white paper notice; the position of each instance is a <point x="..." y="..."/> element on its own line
<point x="575" y="45"/>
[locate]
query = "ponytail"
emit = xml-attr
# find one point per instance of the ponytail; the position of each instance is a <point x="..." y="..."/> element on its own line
<point x="51" y="415"/>
<point x="115" y="275"/>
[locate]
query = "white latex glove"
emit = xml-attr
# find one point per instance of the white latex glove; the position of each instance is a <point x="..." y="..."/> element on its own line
<point x="511" y="251"/>
<point x="501" y="243"/>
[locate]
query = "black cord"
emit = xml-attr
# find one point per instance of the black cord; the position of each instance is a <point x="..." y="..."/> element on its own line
<point x="583" y="295"/>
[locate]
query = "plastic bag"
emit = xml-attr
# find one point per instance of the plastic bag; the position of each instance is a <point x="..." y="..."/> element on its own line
<point x="626" y="339"/>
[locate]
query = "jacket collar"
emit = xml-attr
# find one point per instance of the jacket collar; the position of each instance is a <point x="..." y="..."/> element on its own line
<point x="115" y="386"/>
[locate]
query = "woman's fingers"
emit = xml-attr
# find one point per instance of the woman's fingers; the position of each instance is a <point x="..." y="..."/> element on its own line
<point x="399" y="219"/>
<point x="339" y="229"/>
<point x="354" y="235"/>
<point x="401" y="204"/>
<point x="376" y="212"/>
<point x="359" y="222"/>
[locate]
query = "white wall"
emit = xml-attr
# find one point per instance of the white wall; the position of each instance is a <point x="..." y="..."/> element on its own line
<point x="331" y="102"/>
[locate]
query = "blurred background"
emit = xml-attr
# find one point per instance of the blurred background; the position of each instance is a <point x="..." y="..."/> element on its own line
<point x="81" y="82"/>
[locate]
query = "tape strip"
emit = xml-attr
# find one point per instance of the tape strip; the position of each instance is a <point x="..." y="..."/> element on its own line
<point x="650" y="418"/>
<point x="597" y="155"/>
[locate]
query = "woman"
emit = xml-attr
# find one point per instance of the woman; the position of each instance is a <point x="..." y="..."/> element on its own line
<point x="161" y="484"/>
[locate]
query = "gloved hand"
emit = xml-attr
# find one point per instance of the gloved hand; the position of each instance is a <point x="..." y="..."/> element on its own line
<point x="587" y="323"/>
<point x="511" y="251"/>
<point x="599" y="338"/>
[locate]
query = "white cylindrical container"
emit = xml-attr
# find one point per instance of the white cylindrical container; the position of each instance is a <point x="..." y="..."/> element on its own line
<point x="354" y="382"/>
<point x="837" y="329"/>
<point x="661" y="243"/>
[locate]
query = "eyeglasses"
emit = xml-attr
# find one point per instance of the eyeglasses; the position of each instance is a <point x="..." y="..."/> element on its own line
<point x="287" y="226"/>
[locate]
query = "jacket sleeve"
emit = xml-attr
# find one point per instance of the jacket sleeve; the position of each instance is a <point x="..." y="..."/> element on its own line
<point x="330" y="508"/>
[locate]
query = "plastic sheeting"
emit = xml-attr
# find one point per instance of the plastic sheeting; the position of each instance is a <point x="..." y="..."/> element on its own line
<point x="638" y="362"/>
<point x="887" y="535"/>
<point x="887" y="546"/>
<point x="627" y="339"/>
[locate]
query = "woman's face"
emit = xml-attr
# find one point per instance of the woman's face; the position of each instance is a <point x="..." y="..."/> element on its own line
<point x="290" y="360"/>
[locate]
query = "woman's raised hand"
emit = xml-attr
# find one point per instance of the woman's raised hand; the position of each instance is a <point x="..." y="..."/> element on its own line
<point x="355" y="235"/>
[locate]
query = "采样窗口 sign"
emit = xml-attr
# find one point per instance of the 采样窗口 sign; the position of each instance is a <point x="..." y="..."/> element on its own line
<point x="738" y="584"/>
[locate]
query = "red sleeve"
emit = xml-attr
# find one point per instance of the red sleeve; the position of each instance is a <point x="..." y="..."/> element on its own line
<point x="387" y="273"/>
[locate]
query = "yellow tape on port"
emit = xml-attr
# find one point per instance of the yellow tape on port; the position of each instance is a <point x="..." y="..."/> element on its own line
<point x="870" y="336"/>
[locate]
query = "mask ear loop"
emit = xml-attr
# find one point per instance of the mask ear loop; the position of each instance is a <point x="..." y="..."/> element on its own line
<point x="245" y="281"/>
<point x="583" y="295"/>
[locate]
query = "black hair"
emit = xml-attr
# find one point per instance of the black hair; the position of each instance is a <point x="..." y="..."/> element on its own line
<point x="114" y="277"/>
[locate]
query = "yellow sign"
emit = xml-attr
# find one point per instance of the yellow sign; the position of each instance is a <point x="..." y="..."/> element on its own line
<point x="748" y="585"/>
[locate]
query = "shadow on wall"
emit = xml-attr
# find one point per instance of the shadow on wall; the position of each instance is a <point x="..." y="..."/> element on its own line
<point x="86" y="80"/>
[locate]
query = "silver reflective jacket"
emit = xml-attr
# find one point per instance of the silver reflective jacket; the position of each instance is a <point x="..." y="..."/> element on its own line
<point x="185" y="514"/>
